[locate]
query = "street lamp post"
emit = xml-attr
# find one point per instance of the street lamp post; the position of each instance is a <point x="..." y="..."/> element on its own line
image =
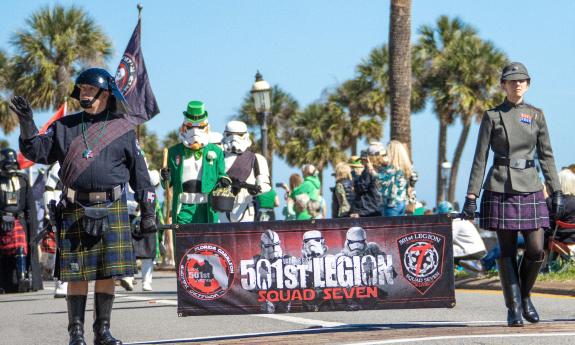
<point x="261" y="92"/>
<point x="445" y="176"/>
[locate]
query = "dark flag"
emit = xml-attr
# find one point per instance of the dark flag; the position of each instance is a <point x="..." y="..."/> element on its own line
<point x="132" y="80"/>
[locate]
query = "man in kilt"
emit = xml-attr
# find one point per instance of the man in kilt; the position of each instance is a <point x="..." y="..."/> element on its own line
<point x="98" y="154"/>
<point x="512" y="198"/>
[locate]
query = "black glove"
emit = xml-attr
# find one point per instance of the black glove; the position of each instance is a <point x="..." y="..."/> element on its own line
<point x="254" y="190"/>
<point x="557" y="205"/>
<point x="21" y="107"/>
<point x="165" y="174"/>
<point x="148" y="225"/>
<point x="223" y="182"/>
<point x="469" y="208"/>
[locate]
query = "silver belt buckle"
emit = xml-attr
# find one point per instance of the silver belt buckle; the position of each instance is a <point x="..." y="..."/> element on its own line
<point x="519" y="163"/>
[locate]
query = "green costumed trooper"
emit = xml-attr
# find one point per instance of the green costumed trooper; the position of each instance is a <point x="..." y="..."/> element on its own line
<point x="195" y="168"/>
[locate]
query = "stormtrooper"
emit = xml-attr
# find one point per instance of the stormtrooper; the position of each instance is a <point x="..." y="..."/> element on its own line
<point x="53" y="191"/>
<point x="248" y="171"/>
<point x="195" y="168"/>
<point x="271" y="250"/>
<point x="314" y="246"/>
<point x="356" y="244"/>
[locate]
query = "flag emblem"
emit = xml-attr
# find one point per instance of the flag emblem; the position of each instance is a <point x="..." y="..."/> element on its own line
<point x="126" y="74"/>
<point x="526" y="118"/>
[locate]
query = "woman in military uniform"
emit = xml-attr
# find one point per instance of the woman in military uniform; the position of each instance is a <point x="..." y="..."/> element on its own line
<point x="98" y="154"/>
<point x="512" y="199"/>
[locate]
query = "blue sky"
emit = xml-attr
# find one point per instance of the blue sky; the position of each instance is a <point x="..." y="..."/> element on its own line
<point x="210" y="50"/>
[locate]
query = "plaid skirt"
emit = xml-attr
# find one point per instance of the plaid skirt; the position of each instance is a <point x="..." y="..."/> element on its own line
<point x="13" y="240"/>
<point x="502" y="211"/>
<point x="85" y="257"/>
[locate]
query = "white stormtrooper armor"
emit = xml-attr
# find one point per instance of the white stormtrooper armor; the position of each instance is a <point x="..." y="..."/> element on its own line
<point x="313" y="245"/>
<point x="270" y="245"/>
<point x="236" y="142"/>
<point x="355" y="241"/>
<point x="53" y="192"/>
<point x="194" y="137"/>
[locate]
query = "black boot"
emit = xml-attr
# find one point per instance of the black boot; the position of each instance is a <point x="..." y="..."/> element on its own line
<point x="76" y="309"/>
<point x="511" y="291"/>
<point x="528" y="274"/>
<point x="102" y="310"/>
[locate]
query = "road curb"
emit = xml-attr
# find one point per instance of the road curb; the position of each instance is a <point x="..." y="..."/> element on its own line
<point x="554" y="288"/>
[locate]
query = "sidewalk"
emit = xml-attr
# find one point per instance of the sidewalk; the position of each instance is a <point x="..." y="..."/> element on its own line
<point x="492" y="283"/>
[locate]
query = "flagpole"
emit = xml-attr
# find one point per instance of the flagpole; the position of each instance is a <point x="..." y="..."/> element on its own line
<point x="139" y="7"/>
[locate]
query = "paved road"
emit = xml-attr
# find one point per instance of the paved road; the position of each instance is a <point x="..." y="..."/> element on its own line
<point x="150" y="318"/>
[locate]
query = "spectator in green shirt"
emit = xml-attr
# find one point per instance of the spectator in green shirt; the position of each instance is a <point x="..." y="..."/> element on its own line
<point x="266" y="204"/>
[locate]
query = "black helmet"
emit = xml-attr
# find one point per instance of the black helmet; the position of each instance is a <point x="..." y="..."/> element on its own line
<point x="100" y="78"/>
<point x="8" y="160"/>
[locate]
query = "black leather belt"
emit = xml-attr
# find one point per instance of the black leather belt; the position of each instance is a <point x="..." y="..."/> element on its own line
<point x="514" y="163"/>
<point x="192" y="186"/>
<point x="93" y="197"/>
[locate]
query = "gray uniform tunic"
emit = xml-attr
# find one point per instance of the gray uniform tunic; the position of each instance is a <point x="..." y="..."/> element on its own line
<point x="513" y="131"/>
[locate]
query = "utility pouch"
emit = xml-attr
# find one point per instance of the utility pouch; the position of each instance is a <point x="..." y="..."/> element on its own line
<point x="7" y="223"/>
<point x="95" y="221"/>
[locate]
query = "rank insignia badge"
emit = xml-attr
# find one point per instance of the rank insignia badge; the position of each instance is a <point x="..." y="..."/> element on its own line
<point x="526" y="118"/>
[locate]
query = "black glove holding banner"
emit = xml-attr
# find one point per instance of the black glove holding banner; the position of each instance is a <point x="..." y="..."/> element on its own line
<point x="148" y="215"/>
<point x="165" y="174"/>
<point x="21" y="107"/>
<point x="224" y="182"/>
<point x="557" y="205"/>
<point x="469" y="208"/>
<point x="254" y="190"/>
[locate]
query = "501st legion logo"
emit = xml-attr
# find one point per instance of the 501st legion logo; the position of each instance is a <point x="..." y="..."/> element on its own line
<point x="421" y="256"/>
<point x="206" y="271"/>
<point x="126" y="74"/>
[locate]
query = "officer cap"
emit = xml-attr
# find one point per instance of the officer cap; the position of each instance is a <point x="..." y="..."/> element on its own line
<point x="515" y="71"/>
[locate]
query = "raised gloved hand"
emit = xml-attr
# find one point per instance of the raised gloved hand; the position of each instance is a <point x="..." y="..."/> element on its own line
<point x="557" y="204"/>
<point x="22" y="108"/>
<point x="469" y="208"/>
<point x="224" y="182"/>
<point x="165" y="174"/>
<point x="148" y="225"/>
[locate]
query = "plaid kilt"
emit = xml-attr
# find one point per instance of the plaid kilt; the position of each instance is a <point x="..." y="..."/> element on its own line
<point x="503" y="211"/>
<point x="85" y="257"/>
<point x="11" y="241"/>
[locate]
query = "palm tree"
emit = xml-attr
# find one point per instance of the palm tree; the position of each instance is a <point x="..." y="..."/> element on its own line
<point x="8" y="120"/>
<point x="56" y="44"/>
<point x="400" y="70"/>
<point x="319" y="144"/>
<point x="361" y="118"/>
<point x="461" y="80"/>
<point x="172" y="138"/>
<point x="150" y="144"/>
<point x="283" y="108"/>
<point x="374" y="70"/>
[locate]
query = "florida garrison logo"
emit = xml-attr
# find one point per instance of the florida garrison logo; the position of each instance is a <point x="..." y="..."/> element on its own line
<point x="206" y="271"/>
<point x="421" y="256"/>
<point x="126" y="74"/>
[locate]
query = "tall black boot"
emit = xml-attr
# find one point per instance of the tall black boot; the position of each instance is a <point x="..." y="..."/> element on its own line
<point x="508" y="274"/>
<point x="528" y="274"/>
<point x="102" y="310"/>
<point x="76" y="309"/>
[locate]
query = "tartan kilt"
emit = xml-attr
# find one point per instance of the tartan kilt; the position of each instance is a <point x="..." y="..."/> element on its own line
<point x="11" y="241"/>
<point x="504" y="211"/>
<point x="85" y="257"/>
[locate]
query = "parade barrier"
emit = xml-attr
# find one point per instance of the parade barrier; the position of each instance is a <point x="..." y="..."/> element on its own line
<point x="321" y="265"/>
